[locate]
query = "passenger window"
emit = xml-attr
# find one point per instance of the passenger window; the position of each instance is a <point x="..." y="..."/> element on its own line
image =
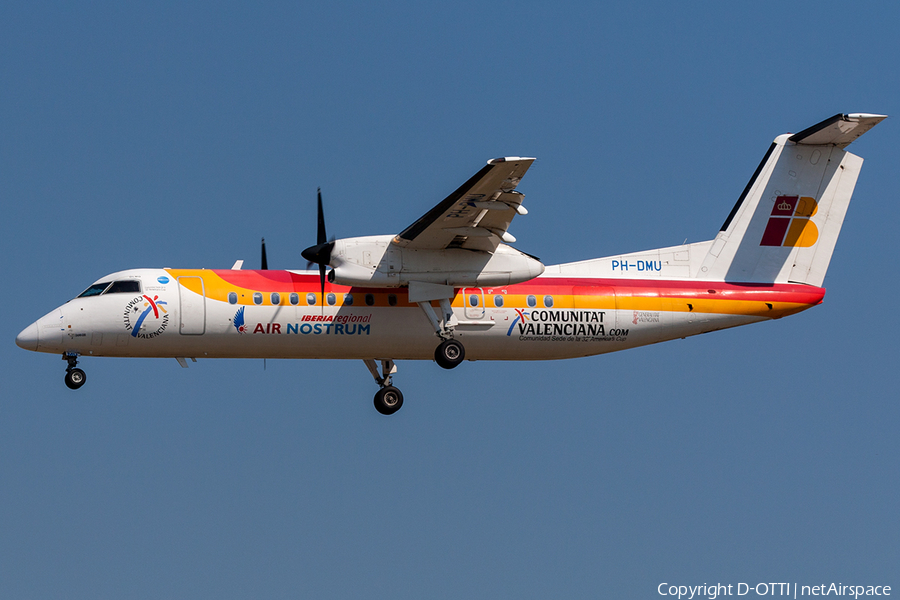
<point x="94" y="290"/>
<point x="370" y="300"/>
<point x="531" y="301"/>
<point x="232" y="298"/>
<point x="257" y="298"/>
<point x="392" y="299"/>
<point x="473" y="300"/>
<point x="295" y="299"/>
<point x="498" y="301"/>
<point x="275" y="298"/>
<point x="348" y="299"/>
<point x="311" y="299"/>
<point x="330" y="299"/>
<point x="548" y="301"/>
<point x="131" y="286"/>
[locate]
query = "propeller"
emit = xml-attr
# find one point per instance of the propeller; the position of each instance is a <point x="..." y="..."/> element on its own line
<point x="320" y="254"/>
<point x="264" y="264"/>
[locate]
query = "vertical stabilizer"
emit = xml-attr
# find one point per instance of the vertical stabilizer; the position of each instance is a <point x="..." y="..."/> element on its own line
<point x="786" y="222"/>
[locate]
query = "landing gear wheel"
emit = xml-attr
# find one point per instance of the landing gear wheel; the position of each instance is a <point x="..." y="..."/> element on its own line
<point x="449" y="354"/>
<point x="75" y="378"/>
<point x="388" y="400"/>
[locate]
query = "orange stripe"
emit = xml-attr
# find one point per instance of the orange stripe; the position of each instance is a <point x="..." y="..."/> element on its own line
<point x="765" y="300"/>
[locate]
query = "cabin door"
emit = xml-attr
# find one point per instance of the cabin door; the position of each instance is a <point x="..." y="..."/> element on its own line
<point x="474" y="302"/>
<point x="191" y="305"/>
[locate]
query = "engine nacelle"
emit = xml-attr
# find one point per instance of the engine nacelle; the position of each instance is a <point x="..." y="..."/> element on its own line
<point x="376" y="262"/>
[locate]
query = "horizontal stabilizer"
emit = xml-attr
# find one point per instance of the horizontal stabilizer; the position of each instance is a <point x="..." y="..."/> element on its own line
<point x="840" y="130"/>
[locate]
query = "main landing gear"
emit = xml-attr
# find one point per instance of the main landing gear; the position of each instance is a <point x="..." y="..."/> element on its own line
<point x="450" y="352"/>
<point x="389" y="399"/>
<point x="75" y="377"/>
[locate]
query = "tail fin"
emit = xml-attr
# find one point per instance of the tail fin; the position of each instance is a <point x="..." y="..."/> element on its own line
<point x="786" y="222"/>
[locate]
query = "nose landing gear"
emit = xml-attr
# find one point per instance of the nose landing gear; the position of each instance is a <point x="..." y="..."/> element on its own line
<point x="75" y="377"/>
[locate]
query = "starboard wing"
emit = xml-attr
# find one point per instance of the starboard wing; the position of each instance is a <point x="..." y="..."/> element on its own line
<point x="477" y="215"/>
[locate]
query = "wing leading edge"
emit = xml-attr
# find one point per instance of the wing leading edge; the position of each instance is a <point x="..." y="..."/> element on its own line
<point x="477" y="215"/>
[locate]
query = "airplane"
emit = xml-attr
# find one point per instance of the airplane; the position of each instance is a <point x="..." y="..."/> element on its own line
<point x="450" y="286"/>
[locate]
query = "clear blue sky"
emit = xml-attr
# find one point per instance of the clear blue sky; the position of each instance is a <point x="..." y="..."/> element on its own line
<point x="139" y="135"/>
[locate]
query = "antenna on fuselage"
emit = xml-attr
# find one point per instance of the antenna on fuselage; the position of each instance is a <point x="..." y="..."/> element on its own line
<point x="263" y="263"/>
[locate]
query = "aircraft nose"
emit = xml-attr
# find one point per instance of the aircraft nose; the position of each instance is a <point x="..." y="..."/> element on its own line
<point x="28" y="338"/>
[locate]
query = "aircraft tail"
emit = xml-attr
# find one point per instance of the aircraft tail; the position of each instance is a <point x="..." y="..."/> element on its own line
<point x="786" y="222"/>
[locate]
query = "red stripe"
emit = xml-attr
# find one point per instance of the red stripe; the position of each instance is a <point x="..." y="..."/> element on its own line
<point x="785" y="292"/>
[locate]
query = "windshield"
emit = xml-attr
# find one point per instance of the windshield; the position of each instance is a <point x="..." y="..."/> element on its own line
<point x="131" y="286"/>
<point x="120" y="287"/>
<point x="94" y="290"/>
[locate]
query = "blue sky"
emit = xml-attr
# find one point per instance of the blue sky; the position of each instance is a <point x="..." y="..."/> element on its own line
<point x="170" y="135"/>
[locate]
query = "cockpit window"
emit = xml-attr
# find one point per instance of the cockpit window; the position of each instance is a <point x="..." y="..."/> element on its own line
<point x="94" y="290"/>
<point x="132" y="286"/>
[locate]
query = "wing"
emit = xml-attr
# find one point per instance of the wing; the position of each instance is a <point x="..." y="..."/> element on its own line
<point x="475" y="216"/>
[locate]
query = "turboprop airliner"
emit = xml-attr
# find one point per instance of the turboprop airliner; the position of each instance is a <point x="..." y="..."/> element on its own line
<point x="450" y="286"/>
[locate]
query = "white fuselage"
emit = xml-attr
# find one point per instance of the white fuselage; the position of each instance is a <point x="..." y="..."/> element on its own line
<point x="282" y="314"/>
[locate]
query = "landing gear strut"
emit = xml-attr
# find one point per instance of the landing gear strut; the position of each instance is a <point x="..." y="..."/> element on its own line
<point x="75" y="377"/>
<point x="450" y="352"/>
<point x="389" y="399"/>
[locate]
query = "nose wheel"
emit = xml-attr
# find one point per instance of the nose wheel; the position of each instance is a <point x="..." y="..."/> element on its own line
<point x="75" y="377"/>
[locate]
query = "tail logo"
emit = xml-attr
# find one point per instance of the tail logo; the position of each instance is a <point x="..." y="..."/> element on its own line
<point x="790" y="223"/>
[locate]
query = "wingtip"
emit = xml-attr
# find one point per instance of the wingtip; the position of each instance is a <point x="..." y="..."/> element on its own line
<point x="867" y="116"/>
<point x="503" y="159"/>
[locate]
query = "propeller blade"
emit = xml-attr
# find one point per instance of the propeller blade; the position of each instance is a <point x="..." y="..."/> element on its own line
<point x="321" y="237"/>
<point x="320" y="254"/>
<point x="264" y="264"/>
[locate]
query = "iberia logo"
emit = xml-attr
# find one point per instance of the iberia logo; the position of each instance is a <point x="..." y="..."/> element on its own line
<point x="135" y="317"/>
<point x="790" y="223"/>
<point x="238" y="321"/>
<point x="521" y="315"/>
